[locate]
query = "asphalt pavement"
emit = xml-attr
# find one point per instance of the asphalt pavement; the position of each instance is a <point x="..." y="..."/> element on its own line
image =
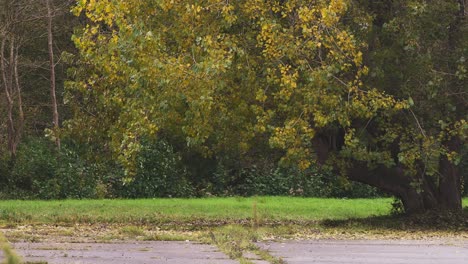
<point x="155" y="252"/>
<point x="292" y="252"/>
<point x="370" y="251"/>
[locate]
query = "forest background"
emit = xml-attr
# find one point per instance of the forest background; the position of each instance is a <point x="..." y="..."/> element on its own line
<point x="66" y="133"/>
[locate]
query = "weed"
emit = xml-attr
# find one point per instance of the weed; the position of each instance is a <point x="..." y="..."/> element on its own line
<point x="167" y="237"/>
<point x="234" y="241"/>
<point x="265" y="255"/>
<point x="255" y="219"/>
<point x="10" y="255"/>
<point x="132" y="231"/>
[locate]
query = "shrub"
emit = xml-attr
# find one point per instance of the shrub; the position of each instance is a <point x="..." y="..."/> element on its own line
<point x="41" y="172"/>
<point x="4" y="170"/>
<point x="273" y="180"/>
<point x="33" y="172"/>
<point x="74" y="177"/>
<point x="160" y="173"/>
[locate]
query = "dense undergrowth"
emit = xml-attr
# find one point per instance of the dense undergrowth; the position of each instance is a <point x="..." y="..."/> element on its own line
<point x="40" y="172"/>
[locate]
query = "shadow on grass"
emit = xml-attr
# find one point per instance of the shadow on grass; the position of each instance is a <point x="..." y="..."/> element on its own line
<point x="430" y="221"/>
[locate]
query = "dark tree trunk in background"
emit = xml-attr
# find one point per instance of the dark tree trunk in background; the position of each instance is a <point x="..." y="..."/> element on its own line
<point x="5" y="69"/>
<point x="450" y="183"/>
<point x="10" y="80"/>
<point x="20" y="97"/>
<point x="12" y="90"/>
<point x="50" y="42"/>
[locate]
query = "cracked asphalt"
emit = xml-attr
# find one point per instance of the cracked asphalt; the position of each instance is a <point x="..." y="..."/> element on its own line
<point x="292" y="252"/>
<point x="120" y="253"/>
<point x="370" y="251"/>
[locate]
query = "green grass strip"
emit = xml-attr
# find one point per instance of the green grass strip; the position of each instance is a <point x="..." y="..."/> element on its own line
<point x="229" y="210"/>
<point x="204" y="211"/>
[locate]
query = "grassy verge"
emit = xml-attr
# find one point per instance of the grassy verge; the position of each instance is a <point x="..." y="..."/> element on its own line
<point x="232" y="224"/>
<point x="209" y="211"/>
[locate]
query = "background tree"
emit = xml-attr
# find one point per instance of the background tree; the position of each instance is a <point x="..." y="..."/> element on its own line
<point x="227" y="75"/>
<point x="25" y="108"/>
<point x="25" y="32"/>
<point x="220" y="92"/>
<point x="11" y="39"/>
<point x="417" y="50"/>
<point x="53" y="88"/>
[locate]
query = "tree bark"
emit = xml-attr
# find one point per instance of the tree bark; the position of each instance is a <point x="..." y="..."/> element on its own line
<point x="20" y="98"/>
<point x="450" y="183"/>
<point x="463" y="7"/>
<point x="7" y="82"/>
<point x="50" y="43"/>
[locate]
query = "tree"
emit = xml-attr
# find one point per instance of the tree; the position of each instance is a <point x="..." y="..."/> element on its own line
<point x="10" y="40"/>
<point x="27" y="61"/>
<point x="226" y="75"/>
<point x="50" y="47"/>
<point x="417" y="50"/>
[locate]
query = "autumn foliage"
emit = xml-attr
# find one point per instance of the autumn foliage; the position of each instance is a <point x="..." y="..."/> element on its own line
<point x="374" y="91"/>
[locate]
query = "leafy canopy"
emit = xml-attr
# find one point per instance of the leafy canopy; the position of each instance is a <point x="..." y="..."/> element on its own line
<point x="227" y="75"/>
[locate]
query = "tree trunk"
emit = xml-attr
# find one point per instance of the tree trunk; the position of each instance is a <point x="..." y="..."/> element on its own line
<point x="19" y="131"/>
<point x="50" y="42"/>
<point x="7" y="83"/>
<point x="415" y="199"/>
<point x="393" y="180"/>
<point x="450" y="183"/>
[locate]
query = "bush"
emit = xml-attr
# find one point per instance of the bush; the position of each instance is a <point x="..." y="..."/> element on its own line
<point x="160" y="173"/>
<point x="272" y="180"/>
<point x="75" y="177"/>
<point x="41" y="172"/>
<point x="33" y="172"/>
<point x="4" y="170"/>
